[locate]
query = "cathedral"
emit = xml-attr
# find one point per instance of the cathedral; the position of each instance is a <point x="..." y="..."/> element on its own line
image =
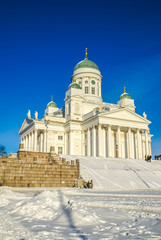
<point x="86" y="125"/>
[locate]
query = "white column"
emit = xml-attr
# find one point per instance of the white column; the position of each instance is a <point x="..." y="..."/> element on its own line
<point x="31" y="141"/>
<point x="141" y="146"/>
<point x="27" y="142"/>
<point x="146" y="142"/>
<point x="109" y="139"/>
<point x="150" y="148"/>
<point x="41" y="141"/>
<point x="44" y="141"/>
<point x="31" y="144"/>
<point x="129" y="143"/>
<point x="88" y="142"/>
<point x="119" y="142"/>
<point x="104" y="142"/>
<point x="35" y="140"/>
<point x="138" y="144"/>
<point x="93" y="141"/>
<point x="100" y="143"/>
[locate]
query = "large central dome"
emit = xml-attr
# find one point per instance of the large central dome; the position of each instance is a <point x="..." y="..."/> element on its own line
<point x="86" y="64"/>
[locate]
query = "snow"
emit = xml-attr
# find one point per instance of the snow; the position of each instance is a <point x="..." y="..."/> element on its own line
<point x="119" y="174"/>
<point x="124" y="204"/>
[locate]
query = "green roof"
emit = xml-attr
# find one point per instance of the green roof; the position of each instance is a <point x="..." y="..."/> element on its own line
<point x="125" y="95"/>
<point x="74" y="85"/>
<point x="86" y="64"/>
<point x="52" y="104"/>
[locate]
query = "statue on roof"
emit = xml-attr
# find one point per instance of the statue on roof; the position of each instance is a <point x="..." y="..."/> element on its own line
<point x="36" y="115"/>
<point x="144" y="115"/>
<point x="29" y="114"/>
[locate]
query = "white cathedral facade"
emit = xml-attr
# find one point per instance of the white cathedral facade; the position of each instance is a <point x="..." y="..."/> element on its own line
<point x="86" y="125"/>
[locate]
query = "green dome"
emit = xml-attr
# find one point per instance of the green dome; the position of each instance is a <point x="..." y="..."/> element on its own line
<point x="74" y="85"/>
<point x="52" y="104"/>
<point x="125" y="95"/>
<point x="86" y="64"/>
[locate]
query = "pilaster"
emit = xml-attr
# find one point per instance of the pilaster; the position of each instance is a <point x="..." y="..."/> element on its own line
<point x="71" y="142"/>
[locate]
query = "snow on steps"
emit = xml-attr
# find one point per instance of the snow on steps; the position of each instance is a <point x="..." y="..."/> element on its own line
<point x="120" y="174"/>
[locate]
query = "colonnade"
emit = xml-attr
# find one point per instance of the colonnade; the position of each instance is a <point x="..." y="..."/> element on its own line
<point x="100" y="140"/>
<point x="35" y="141"/>
<point x="115" y="141"/>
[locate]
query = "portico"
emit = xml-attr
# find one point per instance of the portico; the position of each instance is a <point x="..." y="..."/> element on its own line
<point x="128" y="142"/>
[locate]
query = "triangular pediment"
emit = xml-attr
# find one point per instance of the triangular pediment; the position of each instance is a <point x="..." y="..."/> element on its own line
<point x="125" y="114"/>
<point x="26" y="123"/>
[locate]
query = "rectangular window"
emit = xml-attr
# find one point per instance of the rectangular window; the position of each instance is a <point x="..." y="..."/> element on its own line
<point x="79" y="83"/>
<point x="60" y="137"/>
<point x="93" y="90"/>
<point x="86" y="90"/>
<point x="60" y="150"/>
<point x="86" y="81"/>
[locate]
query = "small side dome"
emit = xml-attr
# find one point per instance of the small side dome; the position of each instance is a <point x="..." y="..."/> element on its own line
<point x="51" y="104"/>
<point x="125" y="95"/>
<point x="74" y="85"/>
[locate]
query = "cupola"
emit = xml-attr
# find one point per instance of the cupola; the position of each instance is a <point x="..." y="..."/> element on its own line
<point x="125" y="95"/>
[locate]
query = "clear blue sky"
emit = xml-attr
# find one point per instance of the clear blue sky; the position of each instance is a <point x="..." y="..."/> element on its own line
<point x="42" y="41"/>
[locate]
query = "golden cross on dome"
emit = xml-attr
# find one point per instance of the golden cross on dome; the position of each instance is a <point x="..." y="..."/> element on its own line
<point x="86" y="53"/>
<point x="124" y="89"/>
<point x="51" y="98"/>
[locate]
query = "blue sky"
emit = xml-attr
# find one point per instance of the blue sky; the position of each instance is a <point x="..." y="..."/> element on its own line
<point x="42" y="41"/>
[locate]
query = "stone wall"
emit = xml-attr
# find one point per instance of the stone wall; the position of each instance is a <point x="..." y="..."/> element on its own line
<point x="16" y="174"/>
<point x="31" y="169"/>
